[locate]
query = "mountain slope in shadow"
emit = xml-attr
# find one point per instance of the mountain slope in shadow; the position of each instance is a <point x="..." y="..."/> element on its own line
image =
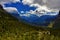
<point x="56" y="24"/>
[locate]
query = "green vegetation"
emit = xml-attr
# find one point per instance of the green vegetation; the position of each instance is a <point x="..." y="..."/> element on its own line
<point x="12" y="29"/>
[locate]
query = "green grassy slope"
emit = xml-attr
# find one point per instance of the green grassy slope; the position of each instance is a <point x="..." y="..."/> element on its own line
<point x="12" y="29"/>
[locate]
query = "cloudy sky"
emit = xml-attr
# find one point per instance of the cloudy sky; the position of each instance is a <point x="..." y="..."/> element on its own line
<point x="49" y="3"/>
<point x="30" y="6"/>
<point x="1" y="1"/>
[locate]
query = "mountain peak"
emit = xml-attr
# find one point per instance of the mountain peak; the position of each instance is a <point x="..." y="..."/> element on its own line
<point x="59" y="13"/>
<point x="1" y="7"/>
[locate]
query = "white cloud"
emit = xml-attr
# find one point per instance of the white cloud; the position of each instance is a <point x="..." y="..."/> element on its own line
<point x="27" y="15"/>
<point x="41" y="7"/>
<point x="37" y="3"/>
<point x="39" y="13"/>
<point x="15" y="0"/>
<point x="22" y="11"/>
<point x="40" y="4"/>
<point x="8" y="1"/>
<point x="27" y="1"/>
<point x="53" y="4"/>
<point x="11" y="9"/>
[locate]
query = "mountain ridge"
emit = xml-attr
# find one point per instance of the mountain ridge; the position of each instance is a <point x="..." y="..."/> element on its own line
<point x="12" y="29"/>
<point x="56" y="24"/>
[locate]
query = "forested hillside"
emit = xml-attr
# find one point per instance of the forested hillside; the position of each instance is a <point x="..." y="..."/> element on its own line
<point x="13" y="29"/>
